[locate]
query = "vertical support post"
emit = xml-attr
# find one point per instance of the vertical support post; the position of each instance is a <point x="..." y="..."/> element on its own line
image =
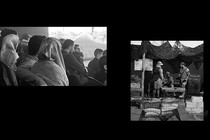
<point x="143" y="71"/>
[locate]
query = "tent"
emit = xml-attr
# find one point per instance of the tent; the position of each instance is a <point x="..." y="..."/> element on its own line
<point x="171" y="56"/>
<point x="88" y="45"/>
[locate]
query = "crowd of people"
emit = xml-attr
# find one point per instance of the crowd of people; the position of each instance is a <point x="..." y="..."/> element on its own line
<point x="46" y="61"/>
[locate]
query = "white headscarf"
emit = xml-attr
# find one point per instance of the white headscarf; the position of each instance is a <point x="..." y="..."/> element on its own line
<point x="8" y="54"/>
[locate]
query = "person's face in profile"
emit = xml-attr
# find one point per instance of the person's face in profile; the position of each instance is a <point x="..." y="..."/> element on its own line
<point x="77" y="49"/>
<point x="181" y="65"/>
<point x="100" y="55"/>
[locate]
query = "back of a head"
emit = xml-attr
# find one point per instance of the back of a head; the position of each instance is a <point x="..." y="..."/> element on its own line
<point x="25" y="37"/>
<point x="62" y="40"/>
<point x="6" y="32"/>
<point x="98" y="51"/>
<point x="34" y="44"/>
<point x="103" y="61"/>
<point x="105" y="52"/>
<point x="67" y="43"/>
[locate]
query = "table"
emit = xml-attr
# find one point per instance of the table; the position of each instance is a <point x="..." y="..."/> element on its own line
<point x="173" y="90"/>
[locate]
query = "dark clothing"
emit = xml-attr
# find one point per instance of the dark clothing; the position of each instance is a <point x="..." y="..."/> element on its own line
<point x="94" y="67"/>
<point x="7" y="76"/>
<point x="24" y="74"/>
<point x="156" y="73"/>
<point x="100" y="76"/>
<point x="168" y="81"/>
<point x="79" y="56"/>
<point x="72" y="65"/>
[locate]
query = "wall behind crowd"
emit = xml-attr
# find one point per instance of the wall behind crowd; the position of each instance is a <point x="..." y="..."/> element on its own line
<point x="29" y="30"/>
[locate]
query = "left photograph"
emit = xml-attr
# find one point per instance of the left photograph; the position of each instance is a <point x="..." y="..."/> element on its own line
<point x="53" y="56"/>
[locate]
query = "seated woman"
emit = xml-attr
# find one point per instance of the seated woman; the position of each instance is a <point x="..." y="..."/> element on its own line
<point x="8" y="57"/>
<point x="50" y="66"/>
<point x="26" y="61"/>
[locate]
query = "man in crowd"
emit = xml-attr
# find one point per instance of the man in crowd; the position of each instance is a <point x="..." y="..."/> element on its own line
<point x="93" y="66"/>
<point x="73" y="66"/>
<point x="78" y="54"/>
<point x="102" y="74"/>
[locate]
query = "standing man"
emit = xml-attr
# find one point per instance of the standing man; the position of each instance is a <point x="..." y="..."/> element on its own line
<point x="184" y="74"/>
<point x="157" y="78"/>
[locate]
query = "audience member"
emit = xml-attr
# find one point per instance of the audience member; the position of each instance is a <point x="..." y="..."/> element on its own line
<point x="8" y="57"/>
<point x="6" y="32"/>
<point x="25" y="63"/>
<point x="93" y="66"/>
<point x="22" y="48"/>
<point x="102" y="74"/>
<point x="61" y="41"/>
<point x="105" y="52"/>
<point x="78" y="54"/>
<point x="50" y="66"/>
<point x="73" y="66"/>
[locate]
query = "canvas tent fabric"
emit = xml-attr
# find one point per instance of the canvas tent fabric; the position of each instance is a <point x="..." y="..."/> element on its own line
<point x="171" y="56"/>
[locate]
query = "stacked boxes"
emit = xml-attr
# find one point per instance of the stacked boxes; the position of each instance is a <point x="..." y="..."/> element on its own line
<point x="195" y="105"/>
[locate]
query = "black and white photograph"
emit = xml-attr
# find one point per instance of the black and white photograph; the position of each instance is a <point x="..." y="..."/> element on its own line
<point x="167" y="80"/>
<point x="53" y="56"/>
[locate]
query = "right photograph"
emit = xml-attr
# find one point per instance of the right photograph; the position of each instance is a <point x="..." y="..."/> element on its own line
<point x="167" y="80"/>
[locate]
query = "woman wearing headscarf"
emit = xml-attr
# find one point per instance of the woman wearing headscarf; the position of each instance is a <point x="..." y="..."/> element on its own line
<point x="25" y="63"/>
<point x="50" y="66"/>
<point x="22" y="48"/>
<point x="8" y="57"/>
<point x="6" y="32"/>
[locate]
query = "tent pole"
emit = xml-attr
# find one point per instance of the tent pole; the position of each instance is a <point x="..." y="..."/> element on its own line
<point x="143" y="70"/>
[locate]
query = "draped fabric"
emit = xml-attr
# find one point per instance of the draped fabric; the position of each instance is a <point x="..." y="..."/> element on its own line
<point x="165" y="51"/>
<point x="171" y="56"/>
<point x="8" y="54"/>
<point x="50" y="72"/>
<point x="50" y="66"/>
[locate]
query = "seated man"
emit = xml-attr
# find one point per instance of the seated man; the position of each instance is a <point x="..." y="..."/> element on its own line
<point x="102" y="74"/>
<point x="93" y="65"/>
<point x="78" y="54"/>
<point x="168" y="80"/>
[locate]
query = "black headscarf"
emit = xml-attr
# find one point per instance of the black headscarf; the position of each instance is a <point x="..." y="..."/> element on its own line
<point x="34" y="44"/>
<point x="6" y="32"/>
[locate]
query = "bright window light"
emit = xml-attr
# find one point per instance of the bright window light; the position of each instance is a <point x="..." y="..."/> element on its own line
<point x="88" y="38"/>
